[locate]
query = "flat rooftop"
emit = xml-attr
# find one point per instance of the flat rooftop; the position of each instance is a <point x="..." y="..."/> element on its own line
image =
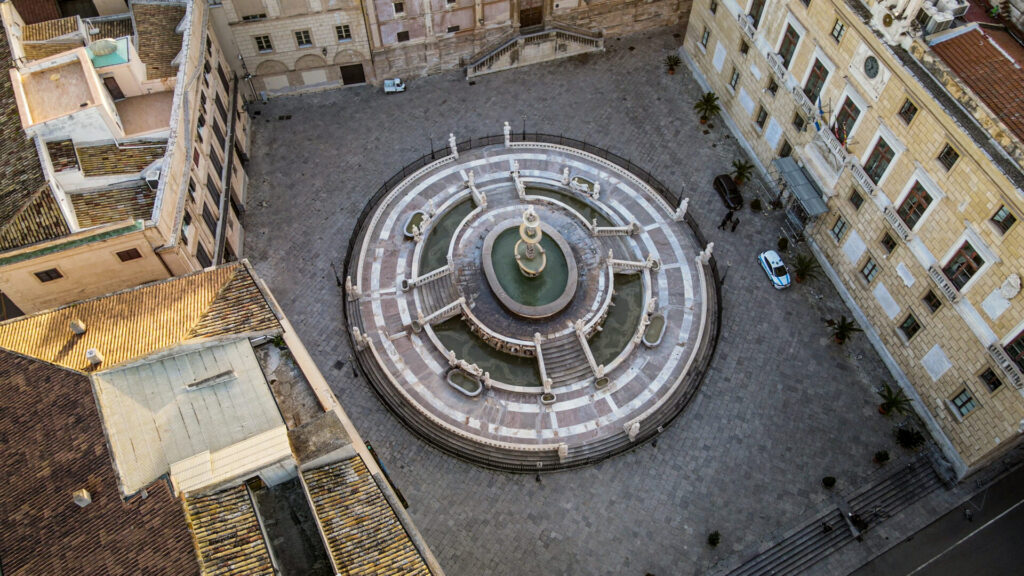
<point x="147" y="113"/>
<point x="56" y="91"/>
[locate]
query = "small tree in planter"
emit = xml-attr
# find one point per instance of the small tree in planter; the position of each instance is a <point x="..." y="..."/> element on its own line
<point x="828" y="482"/>
<point x="707" y="107"/>
<point x="672" y="61"/>
<point x="741" y="171"/>
<point x="714" y="538"/>
<point x="755" y="205"/>
<point x="806" y="267"/>
<point x="893" y="400"/>
<point x="843" y="329"/>
<point x="881" y="457"/>
<point x="783" y="243"/>
<point x="909" y="438"/>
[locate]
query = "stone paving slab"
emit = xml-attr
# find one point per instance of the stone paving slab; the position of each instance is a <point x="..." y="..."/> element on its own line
<point x="781" y="406"/>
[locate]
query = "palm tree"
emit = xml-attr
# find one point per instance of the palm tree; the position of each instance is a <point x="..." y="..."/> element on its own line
<point x="893" y="400"/>
<point x="707" y="107"/>
<point x="843" y="329"/>
<point x="806" y="267"/>
<point x="741" y="171"/>
<point x="671" y="62"/>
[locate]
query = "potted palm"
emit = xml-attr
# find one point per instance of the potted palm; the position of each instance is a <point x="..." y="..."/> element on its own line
<point x="806" y="267"/>
<point x="893" y="400"/>
<point x="707" y="107"/>
<point x="672" y="61"/>
<point x="741" y="171"/>
<point x="843" y="329"/>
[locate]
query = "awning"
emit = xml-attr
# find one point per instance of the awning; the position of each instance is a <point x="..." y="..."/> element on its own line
<point x="802" y="186"/>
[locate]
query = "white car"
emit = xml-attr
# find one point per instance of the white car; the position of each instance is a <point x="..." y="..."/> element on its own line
<point x="772" y="264"/>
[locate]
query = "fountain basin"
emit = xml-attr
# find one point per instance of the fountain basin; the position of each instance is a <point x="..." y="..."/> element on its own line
<point x="530" y="297"/>
<point x="464" y="382"/>
<point x="655" y="330"/>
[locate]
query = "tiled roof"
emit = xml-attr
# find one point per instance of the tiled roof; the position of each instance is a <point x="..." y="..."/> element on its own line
<point x="49" y="29"/>
<point x="38" y="51"/>
<point x="51" y="445"/>
<point x="115" y="28"/>
<point x="62" y="155"/>
<point x="32" y="11"/>
<point x="363" y="533"/>
<point x="95" y="208"/>
<point x="21" y="177"/>
<point x="158" y="42"/>
<point x="139" y="321"/>
<point x="108" y="159"/>
<point x="227" y="534"/>
<point x="986" y="70"/>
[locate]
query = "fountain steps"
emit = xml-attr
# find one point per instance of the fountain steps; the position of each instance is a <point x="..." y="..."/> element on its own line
<point x="619" y="247"/>
<point x="565" y="361"/>
<point x="437" y="294"/>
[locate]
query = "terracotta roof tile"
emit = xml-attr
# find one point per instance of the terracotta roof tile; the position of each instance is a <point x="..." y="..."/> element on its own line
<point x="52" y="444"/>
<point x="62" y="155"/>
<point x="38" y="220"/>
<point x="32" y="11"/>
<point x="158" y="42"/>
<point x="49" y="29"/>
<point x="239" y="307"/>
<point x="110" y="28"/>
<point x="364" y="536"/>
<point x="137" y="322"/>
<point x="108" y="159"/>
<point x="132" y="202"/>
<point x="40" y="50"/>
<point x="986" y="70"/>
<point x="227" y="534"/>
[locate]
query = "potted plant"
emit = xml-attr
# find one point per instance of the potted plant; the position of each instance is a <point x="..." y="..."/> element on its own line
<point x="714" y="538"/>
<point x="707" y="107"/>
<point x="783" y="243"/>
<point x="672" y="61"/>
<point x="881" y="457"/>
<point x="843" y="329"/>
<point x="741" y="171"/>
<point x="909" y="438"/>
<point x="806" y="267"/>
<point x="755" y="204"/>
<point x="828" y="482"/>
<point x="893" y="400"/>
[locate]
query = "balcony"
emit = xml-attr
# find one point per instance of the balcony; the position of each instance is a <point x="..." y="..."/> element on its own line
<point x="833" y="144"/>
<point x="897" y="223"/>
<point x="1009" y="368"/>
<point x="862" y="178"/>
<point x="805" y="104"/>
<point x="777" y="65"/>
<point x="944" y="284"/>
<point x="746" y="24"/>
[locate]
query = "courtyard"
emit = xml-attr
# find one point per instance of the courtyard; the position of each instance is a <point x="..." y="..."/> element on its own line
<point x="780" y="407"/>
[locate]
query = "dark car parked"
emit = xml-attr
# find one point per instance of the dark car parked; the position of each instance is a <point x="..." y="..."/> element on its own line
<point x="730" y="193"/>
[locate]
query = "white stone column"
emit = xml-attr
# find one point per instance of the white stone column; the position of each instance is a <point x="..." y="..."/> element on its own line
<point x="453" y="146"/>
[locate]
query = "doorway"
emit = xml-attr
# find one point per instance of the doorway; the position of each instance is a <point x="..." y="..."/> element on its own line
<point x="532" y="16"/>
<point x="113" y="88"/>
<point x="353" y="74"/>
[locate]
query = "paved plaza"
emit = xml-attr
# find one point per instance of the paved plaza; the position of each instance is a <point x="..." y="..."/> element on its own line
<point x="781" y="406"/>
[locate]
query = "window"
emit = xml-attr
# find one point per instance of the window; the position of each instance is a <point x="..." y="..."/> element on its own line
<point x="218" y="168"/>
<point x="343" y="32"/>
<point x="838" y="29"/>
<point x="450" y="2"/>
<point x="1016" y="350"/>
<point x="992" y="382"/>
<point x="815" y="81"/>
<point x="756" y="10"/>
<point x="195" y="157"/>
<point x="303" y="39"/>
<point x="799" y="122"/>
<point x="845" y="120"/>
<point x="204" y="259"/>
<point x="130" y="254"/>
<point x="856" y="199"/>
<point x="705" y="36"/>
<point x="714" y="6"/>
<point x="744" y="47"/>
<point x="223" y="79"/>
<point x="910" y="326"/>
<point x="49" y="275"/>
<point x="211" y="222"/>
<point x="888" y="243"/>
<point x="948" y="156"/>
<point x="402" y="36"/>
<point x="964" y="402"/>
<point x="839" y="229"/>
<point x="931" y="300"/>
<point x="878" y="161"/>
<point x="453" y="29"/>
<point x="251" y="17"/>
<point x="914" y="205"/>
<point x="964" y="264"/>
<point x="211" y="187"/>
<point x="870" y="269"/>
<point x="399" y="8"/>
<point x="263" y="44"/>
<point x="762" y="117"/>
<point x="191" y="188"/>
<point x="220" y="108"/>
<point x="1003" y="219"/>
<point x="788" y="47"/>
<point x="907" y="111"/>
<point x="773" y="87"/>
<point x="805" y="2"/>
<point x="734" y="79"/>
<point x="785" y="151"/>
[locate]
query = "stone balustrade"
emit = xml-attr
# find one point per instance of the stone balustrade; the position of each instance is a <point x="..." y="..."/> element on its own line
<point x="777" y="66"/>
<point x="861" y="177"/>
<point x="805" y="104"/>
<point x="833" y="144"/>
<point x="897" y="223"/>
<point x="746" y="24"/>
<point x="410" y="283"/>
<point x="945" y="285"/>
<point x="1008" y="366"/>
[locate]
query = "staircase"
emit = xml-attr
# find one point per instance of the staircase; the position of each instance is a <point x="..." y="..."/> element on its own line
<point x="437" y="294"/>
<point x="565" y="361"/>
<point x="551" y="43"/>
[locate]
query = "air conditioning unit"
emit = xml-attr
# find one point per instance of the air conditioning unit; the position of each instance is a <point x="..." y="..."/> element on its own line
<point x="151" y="174"/>
<point x="955" y="7"/>
<point x="933" y="20"/>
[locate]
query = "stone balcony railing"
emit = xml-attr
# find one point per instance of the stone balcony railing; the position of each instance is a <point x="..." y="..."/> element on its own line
<point x="746" y="24"/>
<point x="805" y="104"/>
<point x="777" y="65"/>
<point x="861" y="177"/>
<point x="833" y="144"/>
<point x="897" y="223"/>
<point x="944" y="284"/>
<point x="1008" y="366"/>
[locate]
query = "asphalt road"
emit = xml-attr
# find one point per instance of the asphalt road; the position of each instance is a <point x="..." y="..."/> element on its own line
<point x="984" y="537"/>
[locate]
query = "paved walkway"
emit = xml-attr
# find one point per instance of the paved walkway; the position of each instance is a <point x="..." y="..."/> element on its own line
<point x="781" y="407"/>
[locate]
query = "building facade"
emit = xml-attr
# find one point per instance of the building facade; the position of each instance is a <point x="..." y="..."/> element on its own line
<point x="923" y="185"/>
<point x="126" y="137"/>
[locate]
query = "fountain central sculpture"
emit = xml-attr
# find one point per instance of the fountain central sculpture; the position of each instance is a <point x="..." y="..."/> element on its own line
<point x="528" y="252"/>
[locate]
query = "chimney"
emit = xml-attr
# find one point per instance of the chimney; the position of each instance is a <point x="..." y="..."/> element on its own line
<point x="82" y="498"/>
<point x="78" y="327"/>
<point x="93" y="356"/>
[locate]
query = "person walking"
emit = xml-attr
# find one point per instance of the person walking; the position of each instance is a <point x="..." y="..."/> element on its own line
<point x="726" y="220"/>
<point x="735" y="223"/>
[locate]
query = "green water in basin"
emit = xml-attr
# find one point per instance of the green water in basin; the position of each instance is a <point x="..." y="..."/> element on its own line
<point x="585" y="210"/>
<point x="536" y="291"/>
<point x="435" y="251"/>
<point x="504" y="367"/>
<point x="622" y="321"/>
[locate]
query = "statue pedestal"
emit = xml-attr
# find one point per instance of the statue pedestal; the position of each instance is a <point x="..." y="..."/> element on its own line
<point x="531" y="267"/>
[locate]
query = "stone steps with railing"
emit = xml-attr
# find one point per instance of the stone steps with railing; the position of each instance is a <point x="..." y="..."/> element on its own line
<point x="565" y="361"/>
<point x="436" y="294"/>
<point x="523" y="49"/>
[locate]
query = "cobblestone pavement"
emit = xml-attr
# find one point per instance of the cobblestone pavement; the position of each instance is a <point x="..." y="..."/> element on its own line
<point x="781" y="407"/>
